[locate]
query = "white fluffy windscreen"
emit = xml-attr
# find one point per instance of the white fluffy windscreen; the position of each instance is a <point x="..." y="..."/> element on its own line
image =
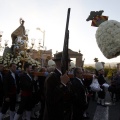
<point x="108" y="38"/>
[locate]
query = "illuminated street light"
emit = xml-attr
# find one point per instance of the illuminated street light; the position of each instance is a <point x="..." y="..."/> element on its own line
<point x="43" y="31"/>
<point x="1" y="47"/>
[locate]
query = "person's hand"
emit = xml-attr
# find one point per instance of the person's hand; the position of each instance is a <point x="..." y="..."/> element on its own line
<point x="7" y="99"/>
<point x="94" y="76"/>
<point x="64" y="78"/>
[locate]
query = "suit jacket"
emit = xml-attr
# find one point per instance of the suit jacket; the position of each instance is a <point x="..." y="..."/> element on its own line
<point x="10" y="84"/>
<point x="79" y="100"/>
<point x="41" y="81"/>
<point x="58" y="98"/>
<point x="27" y="85"/>
<point x="116" y="81"/>
<point x="101" y="79"/>
<point x="1" y="85"/>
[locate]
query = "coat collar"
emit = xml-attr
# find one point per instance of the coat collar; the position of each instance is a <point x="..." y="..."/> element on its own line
<point x="57" y="72"/>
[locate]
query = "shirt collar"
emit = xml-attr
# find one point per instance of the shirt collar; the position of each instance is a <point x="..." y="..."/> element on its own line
<point x="12" y="72"/>
<point x="59" y="71"/>
<point x="80" y="80"/>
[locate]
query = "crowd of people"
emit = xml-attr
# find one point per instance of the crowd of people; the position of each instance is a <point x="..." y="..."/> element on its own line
<point x="61" y="97"/>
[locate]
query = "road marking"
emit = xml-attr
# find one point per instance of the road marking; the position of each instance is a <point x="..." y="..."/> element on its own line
<point x="101" y="113"/>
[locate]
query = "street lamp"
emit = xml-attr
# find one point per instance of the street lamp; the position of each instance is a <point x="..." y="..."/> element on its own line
<point x="1" y="48"/>
<point x="26" y="33"/>
<point x="41" y="52"/>
<point x="43" y="31"/>
<point x="32" y="42"/>
<point x="6" y="43"/>
<point x="1" y="32"/>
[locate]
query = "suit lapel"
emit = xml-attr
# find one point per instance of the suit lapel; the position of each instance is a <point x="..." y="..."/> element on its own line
<point x="29" y="77"/>
<point x="12" y="77"/>
<point x="82" y="85"/>
<point x="84" y="88"/>
<point x="58" y="74"/>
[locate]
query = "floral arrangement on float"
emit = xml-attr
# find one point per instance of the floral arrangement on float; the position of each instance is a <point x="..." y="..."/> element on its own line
<point x="18" y="60"/>
<point x="107" y="34"/>
<point x="19" y="52"/>
<point x="108" y="38"/>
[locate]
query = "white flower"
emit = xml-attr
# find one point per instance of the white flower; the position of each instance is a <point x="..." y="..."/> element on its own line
<point x="19" y="64"/>
<point x="29" y="61"/>
<point x="29" y="57"/>
<point x="108" y="38"/>
<point x="5" y="61"/>
<point x="19" y="56"/>
<point x="22" y="52"/>
<point x="19" y="68"/>
<point x="15" y="62"/>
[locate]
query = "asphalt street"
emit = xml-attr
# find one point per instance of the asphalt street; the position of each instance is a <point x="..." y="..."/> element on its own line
<point x="111" y="112"/>
<point x="97" y="112"/>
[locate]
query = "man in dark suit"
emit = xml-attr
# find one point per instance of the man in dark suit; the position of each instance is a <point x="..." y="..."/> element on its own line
<point x="1" y="85"/>
<point x="57" y="94"/>
<point x="11" y="89"/>
<point x="80" y="102"/>
<point x="26" y="90"/>
<point x="41" y="81"/>
<point x="102" y="93"/>
<point x="116" y="86"/>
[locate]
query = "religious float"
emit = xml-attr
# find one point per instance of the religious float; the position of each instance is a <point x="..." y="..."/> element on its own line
<point x="18" y="53"/>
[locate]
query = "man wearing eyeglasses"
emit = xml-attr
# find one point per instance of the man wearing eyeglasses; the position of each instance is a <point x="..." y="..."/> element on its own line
<point x="80" y="95"/>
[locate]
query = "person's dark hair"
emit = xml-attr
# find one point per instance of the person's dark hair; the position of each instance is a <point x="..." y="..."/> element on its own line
<point x="26" y="65"/>
<point x="42" y="69"/>
<point x="75" y="71"/>
<point x="33" y="67"/>
<point x="12" y="64"/>
<point x="96" y="72"/>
